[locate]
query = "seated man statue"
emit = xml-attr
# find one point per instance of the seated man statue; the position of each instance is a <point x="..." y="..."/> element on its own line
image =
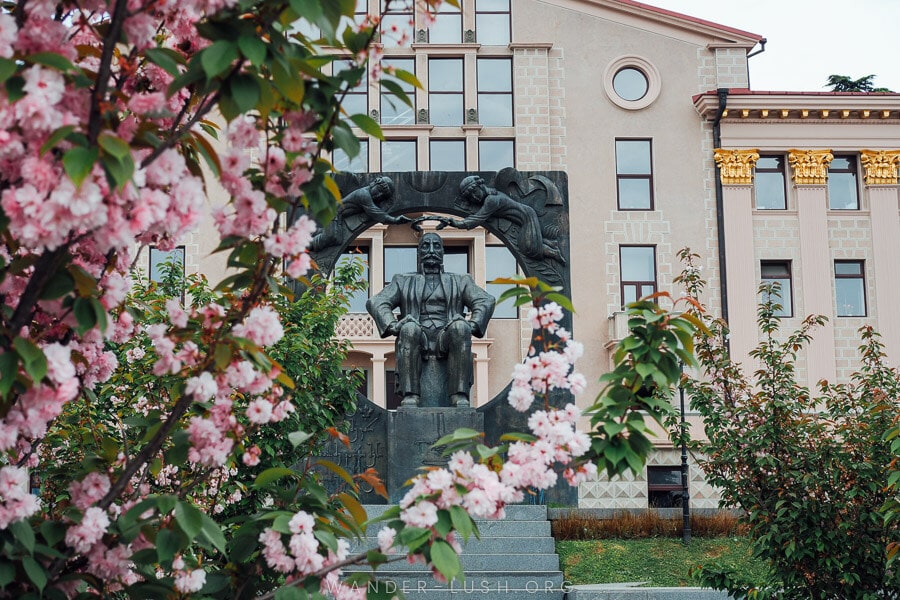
<point x="432" y="324"/>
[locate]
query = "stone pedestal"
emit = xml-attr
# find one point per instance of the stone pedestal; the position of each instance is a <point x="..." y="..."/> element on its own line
<point x="412" y="432"/>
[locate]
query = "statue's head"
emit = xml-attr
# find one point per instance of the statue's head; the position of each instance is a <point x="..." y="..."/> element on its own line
<point x="381" y="188"/>
<point x="473" y="188"/>
<point x="431" y="253"/>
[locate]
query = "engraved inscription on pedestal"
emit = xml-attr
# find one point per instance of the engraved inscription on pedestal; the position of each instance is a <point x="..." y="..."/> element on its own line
<point x="411" y="437"/>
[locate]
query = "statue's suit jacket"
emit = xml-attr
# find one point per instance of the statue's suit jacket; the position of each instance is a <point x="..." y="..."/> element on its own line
<point x="407" y="291"/>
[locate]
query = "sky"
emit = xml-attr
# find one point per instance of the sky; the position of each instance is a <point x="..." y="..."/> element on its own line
<point x="808" y="40"/>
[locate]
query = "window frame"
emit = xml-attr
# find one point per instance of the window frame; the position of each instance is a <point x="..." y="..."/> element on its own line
<point x="361" y="90"/>
<point x="861" y="277"/>
<point x="389" y="61"/>
<point x="413" y="141"/>
<point x="789" y="267"/>
<point x="432" y="141"/>
<point x="363" y="252"/>
<point x="480" y="13"/>
<point x="635" y="176"/>
<point x="445" y="11"/>
<point x="481" y="93"/>
<point x="781" y="169"/>
<point x="511" y="141"/>
<point x="639" y="284"/>
<point x="460" y="93"/>
<point x="362" y="157"/>
<point x="409" y="28"/>
<point x="666" y="488"/>
<point x="852" y="169"/>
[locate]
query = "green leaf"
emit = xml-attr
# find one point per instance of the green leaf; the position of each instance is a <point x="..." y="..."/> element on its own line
<point x="445" y="559"/>
<point x="78" y="162"/>
<point x="462" y="522"/>
<point x="368" y="125"/>
<point x="118" y="170"/>
<point x="59" y="285"/>
<point x="244" y="91"/>
<point x="212" y="532"/>
<point x="53" y="532"/>
<point x="288" y="83"/>
<point x="345" y="139"/>
<point x="50" y="59"/>
<point x="168" y="544"/>
<point x="84" y="314"/>
<point x="56" y="137"/>
<point x="35" y="572"/>
<point x="23" y="534"/>
<point x="9" y="367"/>
<point x="217" y="58"/>
<point x="7" y="573"/>
<point x="291" y="592"/>
<point x="7" y="69"/>
<point x="270" y="475"/>
<point x="114" y="146"/>
<point x="167" y="59"/>
<point x="253" y="48"/>
<point x="189" y="519"/>
<point x="298" y="437"/>
<point x="33" y="358"/>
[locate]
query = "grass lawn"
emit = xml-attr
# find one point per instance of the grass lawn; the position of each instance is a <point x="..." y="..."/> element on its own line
<point x="662" y="562"/>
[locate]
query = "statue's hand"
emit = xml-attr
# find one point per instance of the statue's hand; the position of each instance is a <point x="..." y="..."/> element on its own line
<point x="401" y="219"/>
<point x="392" y="328"/>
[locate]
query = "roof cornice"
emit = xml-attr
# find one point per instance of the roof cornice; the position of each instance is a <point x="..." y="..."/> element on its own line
<point x="774" y="106"/>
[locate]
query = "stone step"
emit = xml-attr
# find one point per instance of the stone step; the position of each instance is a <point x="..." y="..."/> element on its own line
<point x="479" y="580"/>
<point x="510" y="529"/>
<point x="513" y="563"/>
<point x="486" y="545"/>
<point x="514" y="512"/>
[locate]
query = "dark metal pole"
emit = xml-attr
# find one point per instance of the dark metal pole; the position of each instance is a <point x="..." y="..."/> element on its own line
<point x="685" y="490"/>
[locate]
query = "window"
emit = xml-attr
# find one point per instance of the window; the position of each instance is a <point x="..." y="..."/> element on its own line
<point x="664" y="487"/>
<point x="779" y="272"/>
<point x="630" y="84"/>
<point x="447" y="155"/>
<point x="357" y="99"/>
<point x="393" y="110"/>
<point x="164" y="263"/>
<point x="769" y="183"/>
<point x="843" y="191"/>
<point x="494" y="155"/>
<point x="850" y="288"/>
<point x="398" y="155"/>
<point x="397" y="23"/>
<point x="634" y="175"/>
<point x="397" y="260"/>
<point x="492" y="22"/>
<point x="495" y="100"/>
<point x="445" y="91"/>
<point x="359" y="297"/>
<point x="167" y="270"/>
<point x="447" y="27"/>
<point x="404" y="259"/>
<point x="638" y="272"/>
<point x="499" y="262"/>
<point x="357" y="164"/>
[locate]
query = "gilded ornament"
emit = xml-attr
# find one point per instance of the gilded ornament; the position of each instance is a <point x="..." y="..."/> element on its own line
<point x="736" y="166"/>
<point x="881" y="166"/>
<point x="810" y="166"/>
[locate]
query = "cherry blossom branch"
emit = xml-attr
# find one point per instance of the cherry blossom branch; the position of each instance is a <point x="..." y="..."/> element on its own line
<point x="117" y="20"/>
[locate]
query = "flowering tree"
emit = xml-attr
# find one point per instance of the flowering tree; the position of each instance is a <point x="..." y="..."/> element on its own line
<point x="118" y="117"/>
<point x="809" y="471"/>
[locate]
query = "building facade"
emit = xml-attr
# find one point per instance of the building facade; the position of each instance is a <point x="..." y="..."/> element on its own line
<point x="665" y="147"/>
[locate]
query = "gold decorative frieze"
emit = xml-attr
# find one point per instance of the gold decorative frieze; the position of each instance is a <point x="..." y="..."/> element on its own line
<point x="881" y="166"/>
<point x="810" y="166"/>
<point x="736" y="166"/>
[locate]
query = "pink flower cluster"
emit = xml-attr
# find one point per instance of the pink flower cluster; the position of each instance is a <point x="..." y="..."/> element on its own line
<point x="550" y="369"/>
<point x="187" y="581"/>
<point x="16" y="503"/>
<point x="93" y="526"/>
<point x="291" y="245"/>
<point x="303" y="555"/>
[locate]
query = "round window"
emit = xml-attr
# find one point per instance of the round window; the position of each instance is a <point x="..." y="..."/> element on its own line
<point x="630" y="84"/>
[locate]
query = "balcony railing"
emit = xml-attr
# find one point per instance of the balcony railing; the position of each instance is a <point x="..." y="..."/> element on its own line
<point x="356" y="325"/>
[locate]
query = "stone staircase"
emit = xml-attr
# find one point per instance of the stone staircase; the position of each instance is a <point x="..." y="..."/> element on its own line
<point x="515" y="558"/>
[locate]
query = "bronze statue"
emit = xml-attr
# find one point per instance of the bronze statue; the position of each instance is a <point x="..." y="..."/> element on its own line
<point x="491" y="203"/>
<point x="432" y="325"/>
<point x="356" y="207"/>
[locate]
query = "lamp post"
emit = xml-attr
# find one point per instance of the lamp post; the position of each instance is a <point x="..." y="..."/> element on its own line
<point x="685" y="490"/>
